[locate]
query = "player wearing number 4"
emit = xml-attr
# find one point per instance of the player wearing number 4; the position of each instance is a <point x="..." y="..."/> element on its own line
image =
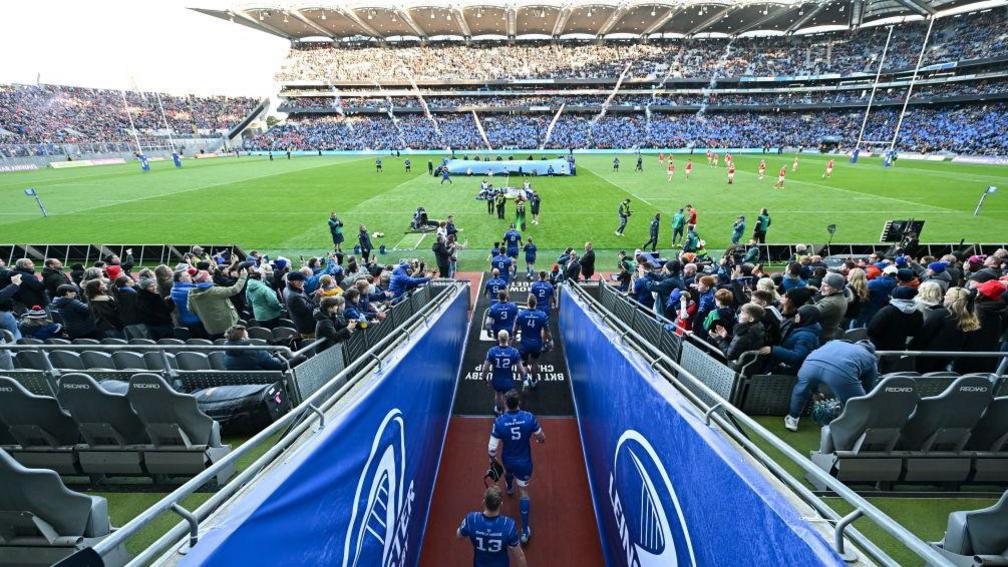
<point x="494" y="536"/>
<point x="532" y="323"/>
<point x="501" y="361"/>
<point x="515" y="429"/>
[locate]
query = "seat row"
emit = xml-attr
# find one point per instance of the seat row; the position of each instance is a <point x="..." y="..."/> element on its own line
<point x="259" y="335"/>
<point x="138" y="428"/>
<point x="892" y="435"/>
<point x="66" y="360"/>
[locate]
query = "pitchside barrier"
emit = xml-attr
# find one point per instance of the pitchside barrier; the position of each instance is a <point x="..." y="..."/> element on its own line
<point x="781" y="253"/>
<point x="669" y="485"/>
<point x="145" y="254"/>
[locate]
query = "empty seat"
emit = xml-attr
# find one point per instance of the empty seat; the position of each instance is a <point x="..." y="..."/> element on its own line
<point x="284" y="335"/>
<point x="97" y="360"/>
<point x="855" y="446"/>
<point x="217" y="360"/>
<point x="941" y="374"/>
<point x="855" y="335"/>
<point x="57" y="341"/>
<point x="28" y="341"/>
<point x="66" y="360"/>
<point x="186" y="438"/>
<point x="8" y="337"/>
<point x="202" y="342"/>
<point x="30" y="360"/>
<point x="86" y="342"/>
<point x="127" y="360"/>
<point x="989" y="439"/>
<point x="192" y="361"/>
<point x="45" y="432"/>
<point x="181" y="333"/>
<point x="113" y="341"/>
<point x="113" y="433"/>
<point x="155" y="360"/>
<point x="259" y="342"/>
<point x="170" y="341"/>
<point x="260" y="333"/>
<point x="142" y="342"/>
<point x="978" y="534"/>
<point x="942" y="424"/>
<point x="284" y="322"/>
<point x="41" y="520"/>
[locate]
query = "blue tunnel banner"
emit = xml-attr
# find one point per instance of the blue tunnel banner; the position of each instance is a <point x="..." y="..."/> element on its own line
<point x="669" y="490"/>
<point x="556" y="166"/>
<point x="358" y="492"/>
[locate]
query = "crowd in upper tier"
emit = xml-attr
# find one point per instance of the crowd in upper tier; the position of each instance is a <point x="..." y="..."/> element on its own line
<point x="40" y="114"/>
<point x="969" y="129"/>
<point x="964" y="37"/>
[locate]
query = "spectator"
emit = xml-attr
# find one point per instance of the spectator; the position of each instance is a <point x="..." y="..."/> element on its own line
<point x="77" y="320"/>
<point x="266" y="306"/>
<point x="8" y="322"/>
<point x="32" y="291"/>
<point x="895" y="324"/>
<point x="792" y="277"/>
<point x="53" y="276"/>
<point x="247" y="359"/>
<point x="36" y="324"/>
<point x="857" y="282"/>
<point x="104" y="310"/>
<point x="402" y="281"/>
<point x="800" y="336"/>
<point x="832" y="304"/>
<point x="945" y="327"/>
<point x="129" y="311"/>
<point x="213" y="306"/>
<point x="747" y="335"/>
<point x="992" y="312"/>
<point x="180" y="291"/>
<point x="588" y="262"/>
<point x="331" y="323"/>
<point x="299" y="305"/>
<point x="847" y="369"/>
<point x="153" y="310"/>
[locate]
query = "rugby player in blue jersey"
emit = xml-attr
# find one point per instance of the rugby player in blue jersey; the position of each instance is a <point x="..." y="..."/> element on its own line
<point x="494" y="536"/>
<point x="503" y="265"/>
<point x="501" y="315"/>
<point x="494" y="286"/>
<point x="515" y="429"/>
<point x="544" y="293"/>
<point x="533" y="325"/>
<point x="512" y="241"/>
<point x="501" y="361"/>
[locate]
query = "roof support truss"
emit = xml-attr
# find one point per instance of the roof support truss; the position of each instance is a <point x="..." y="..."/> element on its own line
<point x="561" y="21"/>
<point x="710" y="21"/>
<point x="304" y="19"/>
<point x="660" y="22"/>
<point x="809" y="15"/>
<point x="613" y="19"/>
<point x="460" y="19"/>
<point x="769" y="17"/>
<point x="405" y="15"/>
<point x="917" y="6"/>
<point x="357" y="20"/>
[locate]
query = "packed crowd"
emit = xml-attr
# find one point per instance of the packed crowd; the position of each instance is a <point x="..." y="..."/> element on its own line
<point x="957" y="38"/>
<point x="969" y="129"/>
<point x="212" y="296"/>
<point x="38" y="114"/>
<point x="790" y="322"/>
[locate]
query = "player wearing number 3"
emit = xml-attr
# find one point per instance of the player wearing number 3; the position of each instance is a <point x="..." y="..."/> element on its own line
<point x="515" y="428"/>
<point x="494" y="536"/>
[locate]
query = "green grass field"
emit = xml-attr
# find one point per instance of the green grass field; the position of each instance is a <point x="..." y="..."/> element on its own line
<point x="282" y="206"/>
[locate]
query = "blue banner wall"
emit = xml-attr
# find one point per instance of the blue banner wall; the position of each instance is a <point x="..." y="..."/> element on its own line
<point x="358" y="492"/>
<point x="504" y="167"/>
<point x="668" y="489"/>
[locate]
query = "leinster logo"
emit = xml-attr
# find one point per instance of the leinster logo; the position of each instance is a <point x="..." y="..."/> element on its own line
<point x="651" y="526"/>
<point x="383" y="503"/>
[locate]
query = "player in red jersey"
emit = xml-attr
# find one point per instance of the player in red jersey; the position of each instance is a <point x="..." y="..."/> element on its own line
<point x="710" y="158"/>
<point x="762" y="169"/>
<point x="661" y="158"/>
<point x="727" y="159"/>
<point x="731" y="173"/>
<point x="794" y="165"/>
<point x="780" y="177"/>
<point x="671" y="169"/>
<point x="829" y="169"/>
<point x="689" y="168"/>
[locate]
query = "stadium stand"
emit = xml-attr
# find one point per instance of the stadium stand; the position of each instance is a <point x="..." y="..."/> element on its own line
<point x="977" y="536"/>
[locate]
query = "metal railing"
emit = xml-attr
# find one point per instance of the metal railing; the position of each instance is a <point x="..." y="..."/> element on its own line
<point x="713" y="412"/>
<point x="296" y="422"/>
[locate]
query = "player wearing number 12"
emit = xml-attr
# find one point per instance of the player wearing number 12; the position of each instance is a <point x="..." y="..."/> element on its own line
<point x="515" y="429"/>
<point x="494" y="536"/>
<point x="501" y="361"/>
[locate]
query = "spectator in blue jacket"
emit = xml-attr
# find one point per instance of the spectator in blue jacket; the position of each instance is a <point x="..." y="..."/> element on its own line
<point x="879" y="291"/>
<point x="402" y="281"/>
<point x="847" y="369"/>
<point x="793" y="277"/>
<point x="800" y="338"/>
<point x="180" y="298"/>
<point x="248" y="359"/>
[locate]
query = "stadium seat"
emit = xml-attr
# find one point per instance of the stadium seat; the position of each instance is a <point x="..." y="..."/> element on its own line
<point x="199" y="342"/>
<point x="97" y="360"/>
<point x="855" y="335"/>
<point x="857" y="445"/>
<point x="284" y="335"/>
<point x="86" y="342"/>
<point x="989" y="440"/>
<point x="192" y="361"/>
<point x="41" y="520"/>
<point x="45" y="433"/>
<point x="66" y="360"/>
<point x="126" y="360"/>
<point x="114" y="435"/>
<point x="142" y="342"/>
<point x="29" y="341"/>
<point x="57" y="341"/>
<point x="114" y="341"/>
<point x="978" y="537"/>
<point x="155" y="360"/>
<point x="260" y="333"/>
<point x="217" y="360"/>
<point x="186" y="439"/>
<point x="30" y="360"/>
<point x="170" y="341"/>
<point x="942" y="424"/>
<point x="181" y="333"/>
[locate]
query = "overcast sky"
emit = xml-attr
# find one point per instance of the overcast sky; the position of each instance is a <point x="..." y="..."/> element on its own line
<point x="156" y="44"/>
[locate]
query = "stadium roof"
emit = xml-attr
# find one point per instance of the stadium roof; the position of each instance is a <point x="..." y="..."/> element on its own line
<point x="519" y="19"/>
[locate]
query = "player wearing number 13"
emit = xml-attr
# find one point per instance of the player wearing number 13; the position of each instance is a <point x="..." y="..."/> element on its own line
<point x="494" y="537"/>
<point x="515" y="429"/>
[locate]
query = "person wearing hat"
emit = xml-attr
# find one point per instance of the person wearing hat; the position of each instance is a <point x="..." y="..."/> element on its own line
<point x="300" y="306"/>
<point x="907" y="277"/>
<point x="794" y="299"/>
<point x="992" y="311"/>
<point x="800" y="336"/>
<point x="880" y="290"/>
<point x="213" y="306"/>
<point x="847" y="369"/>
<point x="76" y="316"/>
<point x="894" y="324"/>
<point x="36" y="324"/>
<point x="832" y="304"/>
<point x="938" y="272"/>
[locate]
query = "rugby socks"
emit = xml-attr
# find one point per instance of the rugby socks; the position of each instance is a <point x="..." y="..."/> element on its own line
<point x="524" y="504"/>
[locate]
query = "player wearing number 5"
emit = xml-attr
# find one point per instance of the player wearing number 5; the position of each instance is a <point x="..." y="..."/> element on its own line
<point x="494" y="536"/>
<point x="501" y="361"/>
<point x="515" y="428"/>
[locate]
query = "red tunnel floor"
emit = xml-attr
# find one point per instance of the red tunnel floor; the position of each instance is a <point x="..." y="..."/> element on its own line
<point x="563" y="519"/>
